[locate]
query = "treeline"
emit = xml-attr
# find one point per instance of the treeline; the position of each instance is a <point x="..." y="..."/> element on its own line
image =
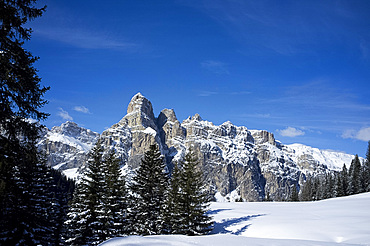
<point x="350" y="181"/>
<point x="104" y="207"/>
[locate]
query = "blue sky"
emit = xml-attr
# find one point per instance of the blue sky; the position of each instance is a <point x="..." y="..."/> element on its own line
<point x="299" y="69"/>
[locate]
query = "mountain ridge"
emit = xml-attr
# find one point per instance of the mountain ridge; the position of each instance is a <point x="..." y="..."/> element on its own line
<point x="250" y="164"/>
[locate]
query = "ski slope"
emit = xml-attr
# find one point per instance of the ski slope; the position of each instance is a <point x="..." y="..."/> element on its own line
<point x="338" y="221"/>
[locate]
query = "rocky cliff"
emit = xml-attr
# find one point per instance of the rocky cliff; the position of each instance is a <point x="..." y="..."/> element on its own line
<point x="236" y="162"/>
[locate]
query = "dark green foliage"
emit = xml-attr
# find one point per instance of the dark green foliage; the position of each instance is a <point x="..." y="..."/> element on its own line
<point x="366" y="170"/>
<point x="173" y="213"/>
<point x="355" y="185"/>
<point x="98" y="209"/>
<point x="193" y="200"/>
<point x="306" y="193"/>
<point x="345" y="180"/>
<point x="62" y="190"/>
<point x="343" y="183"/>
<point x="294" y="194"/>
<point x="85" y="216"/>
<point x="114" y="198"/>
<point x="148" y="189"/>
<point x="29" y="205"/>
<point x="25" y="201"/>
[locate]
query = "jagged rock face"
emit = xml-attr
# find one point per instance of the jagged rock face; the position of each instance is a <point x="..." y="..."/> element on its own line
<point x="261" y="137"/>
<point x="66" y="146"/>
<point x="140" y="113"/>
<point x="118" y="138"/>
<point x="248" y="164"/>
<point x="142" y="124"/>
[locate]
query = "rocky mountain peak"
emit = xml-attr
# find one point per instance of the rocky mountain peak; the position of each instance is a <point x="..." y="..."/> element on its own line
<point x="196" y="117"/>
<point x="140" y="113"/>
<point x="166" y="115"/>
<point x="71" y="129"/>
<point x="141" y="104"/>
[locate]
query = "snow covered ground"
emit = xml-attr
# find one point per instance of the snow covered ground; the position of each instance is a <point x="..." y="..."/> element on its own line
<point x="338" y="221"/>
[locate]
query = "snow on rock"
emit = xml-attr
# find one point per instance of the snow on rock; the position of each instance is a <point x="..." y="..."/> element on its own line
<point x="66" y="146"/>
<point x="334" y="160"/>
<point x="150" y="131"/>
<point x="237" y="162"/>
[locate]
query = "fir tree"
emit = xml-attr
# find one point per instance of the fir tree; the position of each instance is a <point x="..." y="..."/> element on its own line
<point x="114" y="198"/>
<point x="366" y="170"/>
<point x="20" y="98"/>
<point x="194" y="199"/>
<point x="338" y="185"/>
<point x="345" y="181"/>
<point x="173" y="209"/>
<point x="86" y="216"/>
<point x="294" y="194"/>
<point x="148" y="189"/>
<point x="62" y="190"/>
<point x="355" y="176"/>
<point x="306" y="194"/>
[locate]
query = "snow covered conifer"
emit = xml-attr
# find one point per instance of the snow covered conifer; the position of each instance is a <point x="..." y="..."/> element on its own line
<point x="366" y="170"/>
<point x="173" y="209"/>
<point x="148" y="194"/>
<point x="355" y="176"/>
<point x="86" y="216"/>
<point x="194" y="200"/>
<point x="114" y="198"/>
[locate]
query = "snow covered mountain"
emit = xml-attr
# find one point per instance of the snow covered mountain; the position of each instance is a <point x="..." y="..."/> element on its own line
<point x="236" y="162"/>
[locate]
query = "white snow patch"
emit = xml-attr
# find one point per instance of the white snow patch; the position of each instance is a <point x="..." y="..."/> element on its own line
<point x="71" y="141"/>
<point x="71" y="173"/>
<point x="334" y="160"/>
<point x="150" y="131"/>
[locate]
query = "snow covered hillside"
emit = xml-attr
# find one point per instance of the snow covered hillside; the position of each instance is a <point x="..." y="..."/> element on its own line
<point x="338" y="221"/>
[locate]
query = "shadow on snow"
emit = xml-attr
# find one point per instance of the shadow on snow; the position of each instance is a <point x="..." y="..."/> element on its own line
<point x="221" y="227"/>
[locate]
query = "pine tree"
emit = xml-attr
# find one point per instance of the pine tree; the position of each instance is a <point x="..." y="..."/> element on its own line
<point x="345" y="181"/>
<point x="114" y="199"/>
<point x="86" y="216"/>
<point x="21" y="222"/>
<point x="306" y="194"/>
<point x="294" y="194"/>
<point x="62" y="191"/>
<point x="355" y="176"/>
<point x="366" y="169"/>
<point x="148" y="189"/>
<point x="194" y="199"/>
<point x="173" y="209"/>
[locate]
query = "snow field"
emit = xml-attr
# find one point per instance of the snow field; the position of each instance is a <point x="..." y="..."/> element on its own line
<point x="338" y="221"/>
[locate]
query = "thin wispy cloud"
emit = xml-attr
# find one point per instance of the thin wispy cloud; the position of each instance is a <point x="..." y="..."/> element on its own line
<point x="85" y="39"/>
<point x="290" y="132"/>
<point x="207" y="93"/>
<point x="215" y="66"/>
<point x="64" y="114"/>
<point x="257" y="115"/>
<point x="300" y="28"/>
<point x="213" y="93"/>
<point x="82" y="109"/>
<point x="363" y="134"/>
<point x="320" y="94"/>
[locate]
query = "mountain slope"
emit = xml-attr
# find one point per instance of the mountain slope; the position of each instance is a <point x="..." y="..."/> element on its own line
<point x="236" y="162"/>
